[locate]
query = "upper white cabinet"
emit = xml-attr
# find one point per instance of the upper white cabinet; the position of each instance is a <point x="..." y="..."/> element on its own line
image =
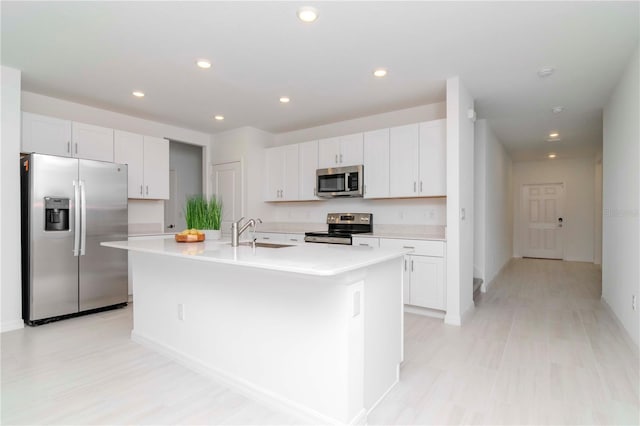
<point x="307" y="166"/>
<point x="147" y="158"/>
<point x="92" y="142"/>
<point x="341" y="151"/>
<point x="48" y="135"/>
<point x="376" y="164"/>
<point x="417" y="160"/>
<point x="282" y="173"/>
<point x="433" y="158"/>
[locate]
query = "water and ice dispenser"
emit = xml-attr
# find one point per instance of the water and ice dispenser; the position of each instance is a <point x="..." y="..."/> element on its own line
<point x="56" y="214"/>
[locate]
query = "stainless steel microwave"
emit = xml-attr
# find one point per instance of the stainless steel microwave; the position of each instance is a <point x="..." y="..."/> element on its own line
<point x="339" y="182"/>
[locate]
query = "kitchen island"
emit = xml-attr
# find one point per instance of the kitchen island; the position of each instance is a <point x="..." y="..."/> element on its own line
<point x="312" y="329"/>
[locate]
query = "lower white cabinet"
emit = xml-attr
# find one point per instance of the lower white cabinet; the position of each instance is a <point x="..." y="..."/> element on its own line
<point x="279" y="237"/>
<point x="424" y="277"/>
<point x="365" y="241"/>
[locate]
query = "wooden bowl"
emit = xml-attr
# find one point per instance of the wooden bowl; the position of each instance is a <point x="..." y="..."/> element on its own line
<point x="191" y="238"/>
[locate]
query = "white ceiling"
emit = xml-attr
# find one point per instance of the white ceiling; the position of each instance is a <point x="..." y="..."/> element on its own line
<point x="96" y="53"/>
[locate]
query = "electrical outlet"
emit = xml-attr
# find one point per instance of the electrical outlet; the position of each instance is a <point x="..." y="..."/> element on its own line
<point x="181" y="311"/>
<point x="633" y="302"/>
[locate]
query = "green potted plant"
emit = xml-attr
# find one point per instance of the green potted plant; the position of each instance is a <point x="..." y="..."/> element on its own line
<point x="204" y="215"/>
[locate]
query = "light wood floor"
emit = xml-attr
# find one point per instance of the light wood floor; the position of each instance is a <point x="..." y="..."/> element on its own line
<point x="540" y="349"/>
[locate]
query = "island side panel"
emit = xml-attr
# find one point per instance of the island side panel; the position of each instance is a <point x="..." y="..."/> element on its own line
<point x="285" y="338"/>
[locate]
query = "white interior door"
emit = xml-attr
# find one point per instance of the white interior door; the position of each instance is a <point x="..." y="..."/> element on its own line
<point x="226" y="184"/>
<point x="542" y="216"/>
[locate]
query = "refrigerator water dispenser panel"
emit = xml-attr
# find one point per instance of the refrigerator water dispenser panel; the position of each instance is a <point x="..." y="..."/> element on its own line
<point x="56" y="214"/>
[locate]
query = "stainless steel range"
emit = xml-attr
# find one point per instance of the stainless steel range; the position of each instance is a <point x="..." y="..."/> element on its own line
<point x="341" y="227"/>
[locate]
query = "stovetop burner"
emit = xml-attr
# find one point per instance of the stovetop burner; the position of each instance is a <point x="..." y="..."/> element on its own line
<point x="341" y="227"/>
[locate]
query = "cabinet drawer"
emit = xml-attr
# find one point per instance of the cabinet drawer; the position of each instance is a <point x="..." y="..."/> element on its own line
<point x="420" y="247"/>
<point x="365" y="241"/>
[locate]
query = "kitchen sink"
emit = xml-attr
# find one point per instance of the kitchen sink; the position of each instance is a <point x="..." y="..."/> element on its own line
<point x="266" y="245"/>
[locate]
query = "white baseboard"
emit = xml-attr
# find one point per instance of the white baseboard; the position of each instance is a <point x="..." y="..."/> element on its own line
<point x="244" y="387"/>
<point x="625" y="334"/>
<point x="459" y="320"/>
<point x="12" y="325"/>
<point x="424" y="311"/>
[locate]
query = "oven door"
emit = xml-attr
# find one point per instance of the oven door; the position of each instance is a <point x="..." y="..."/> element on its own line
<point x="339" y="182"/>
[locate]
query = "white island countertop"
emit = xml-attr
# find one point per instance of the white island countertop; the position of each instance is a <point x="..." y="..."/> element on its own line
<point x="308" y="259"/>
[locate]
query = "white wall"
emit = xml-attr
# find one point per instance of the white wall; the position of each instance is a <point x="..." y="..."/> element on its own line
<point x="460" y="204"/>
<point x="140" y="211"/>
<point x="10" y="201"/>
<point x="578" y="175"/>
<point x="621" y="199"/>
<point x="493" y="245"/>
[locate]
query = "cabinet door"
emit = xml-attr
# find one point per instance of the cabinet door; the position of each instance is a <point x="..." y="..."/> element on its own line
<point x="92" y="142"/>
<point x="433" y="158"/>
<point x="128" y="148"/>
<point x="156" y="168"/>
<point x="307" y="166"/>
<point x="376" y="164"/>
<point x="274" y="174"/>
<point x="45" y="135"/>
<point x="403" y="161"/>
<point x="328" y="153"/>
<point x="427" y="282"/>
<point x="291" y="182"/>
<point x="351" y="150"/>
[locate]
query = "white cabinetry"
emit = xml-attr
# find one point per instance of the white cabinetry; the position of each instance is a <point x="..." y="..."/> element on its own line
<point x="424" y="279"/>
<point x="417" y="160"/>
<point x="340" y="151"/>
<point x="279" y="237"/>
<point x="307" y="166"/>
<point x="48" y="135"/>
<point x="282" y="173"/>
<point x="376" y="164"/>
<point x="365" y="242"/>
<point x="92" y="142"/>
<point x="147" y="158"/>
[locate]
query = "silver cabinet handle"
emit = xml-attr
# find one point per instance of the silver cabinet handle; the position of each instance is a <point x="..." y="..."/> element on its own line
<point x="266" y="238"/>
<point x="411" y="265"/>
<point x="76" y="220"/>
<point x="69" y="149"/>
<point x="147" y="189"/>
<point x="336" y="158"/>
<point x="83" y="219"/>
<point x="420" y="186"/>
<point x="76" y="147"/>
<point x="364" y="244"/>
<point x="414" y="187"/>
<point x="408" y="247"/>
<point x="405" y="264"/>
<point x="141" y="193"/>
<point x="293" y="239"/>
<point x="340" y="158"/>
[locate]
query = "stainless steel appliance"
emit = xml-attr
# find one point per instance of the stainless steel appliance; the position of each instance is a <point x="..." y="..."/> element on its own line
<point x="340" y="182"/>
<point x="341" y="227"/>
<point x="69" y="206"/>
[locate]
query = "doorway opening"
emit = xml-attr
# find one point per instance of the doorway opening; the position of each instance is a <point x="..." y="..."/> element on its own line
<point x="185" y="180"/>
<point x="542" y="220"/>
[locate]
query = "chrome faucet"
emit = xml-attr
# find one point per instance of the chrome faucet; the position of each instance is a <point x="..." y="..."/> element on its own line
<point x="235" y="232"/>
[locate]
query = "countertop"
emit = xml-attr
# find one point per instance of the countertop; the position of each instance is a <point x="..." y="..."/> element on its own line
<point x="308" y="259"/>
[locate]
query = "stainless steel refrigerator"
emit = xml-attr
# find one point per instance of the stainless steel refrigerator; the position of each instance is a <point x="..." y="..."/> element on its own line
<point x="69" y="206"/>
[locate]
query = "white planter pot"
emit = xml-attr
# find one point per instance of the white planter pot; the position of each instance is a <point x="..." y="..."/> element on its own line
<point x="212" y="234"/>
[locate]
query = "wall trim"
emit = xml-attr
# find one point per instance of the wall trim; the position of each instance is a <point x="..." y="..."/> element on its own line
<point x="625" y="333"/>
<point x="426" y="312"/>
<point x="242" y="386"/>
<point x="462" y="319"/>
<point x="12" y="325"/>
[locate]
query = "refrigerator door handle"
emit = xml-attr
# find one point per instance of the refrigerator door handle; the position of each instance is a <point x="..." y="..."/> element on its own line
<point x="83" y="220"/>
<point x="76" y="220"/>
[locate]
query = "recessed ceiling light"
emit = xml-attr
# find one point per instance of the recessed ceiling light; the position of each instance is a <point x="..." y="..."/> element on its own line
<point x="307" y="14"/>
<point x="557" y="109"/>
<point x="219" y="117"/>
<point x="545" y="72"/>
<point x="138" y="94"/>
<point x="380" y="72"/>
<point x="284" y="99"/>
<point x="553" y="135"/>
<point x="203" y="63"/>
<point x="551" y="155"/>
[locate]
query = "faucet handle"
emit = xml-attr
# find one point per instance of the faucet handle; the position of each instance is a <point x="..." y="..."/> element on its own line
<point x="240" y="220"/>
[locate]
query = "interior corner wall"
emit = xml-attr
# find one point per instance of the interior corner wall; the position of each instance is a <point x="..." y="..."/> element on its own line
<point x="621" y="199"/>
<point x="578" y="175"/>
<point x="493" y="204"/>
<point x="10" y="276"/>
<point x="460" y="203"/>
